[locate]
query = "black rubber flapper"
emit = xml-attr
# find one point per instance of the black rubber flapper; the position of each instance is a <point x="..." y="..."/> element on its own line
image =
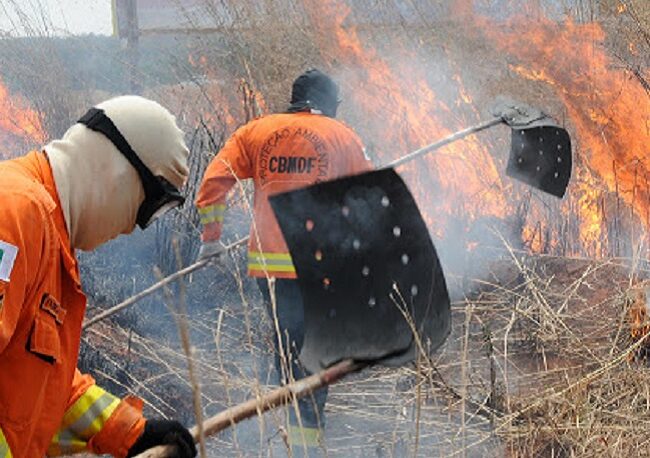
<point x="540" y="151"/>
<point x="541" y="157"/>
<point x="368" y="271"/>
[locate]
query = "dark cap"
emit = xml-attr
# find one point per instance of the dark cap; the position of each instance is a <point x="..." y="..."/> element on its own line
<point x="315" y="90"/>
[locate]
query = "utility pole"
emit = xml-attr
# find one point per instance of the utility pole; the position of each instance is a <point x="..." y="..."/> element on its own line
<point x="132" y="49"/>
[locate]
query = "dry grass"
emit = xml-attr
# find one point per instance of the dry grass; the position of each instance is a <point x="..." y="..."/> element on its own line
<point x="567" y="381"/>
<point x="540" y="363"/>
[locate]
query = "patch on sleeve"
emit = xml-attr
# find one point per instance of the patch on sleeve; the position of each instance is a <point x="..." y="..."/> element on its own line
<point x="365" y="154"/>
<point x="2" y="293"/>
<point x="8" y="253"/>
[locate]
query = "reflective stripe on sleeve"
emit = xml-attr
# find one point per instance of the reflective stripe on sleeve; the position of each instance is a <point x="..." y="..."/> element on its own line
<point x="270" y="262"/>
<point x="83" y="420"/>
<point x="5" y="452"/>
<point x="212" y="213"/>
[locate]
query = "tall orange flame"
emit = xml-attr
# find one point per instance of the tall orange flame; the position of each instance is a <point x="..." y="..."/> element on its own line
<point x="606" y="105"/>
<point x="227" y="108"/>
<point x="402" y="105"/>
<point x="20" y="126"/>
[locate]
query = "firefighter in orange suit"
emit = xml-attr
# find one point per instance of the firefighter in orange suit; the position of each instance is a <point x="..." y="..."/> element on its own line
<point x="121" y="164"/>
<point x="281" y="152"/>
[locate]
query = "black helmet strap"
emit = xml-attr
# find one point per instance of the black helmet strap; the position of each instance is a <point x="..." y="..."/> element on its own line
<point x="158" y="191"/>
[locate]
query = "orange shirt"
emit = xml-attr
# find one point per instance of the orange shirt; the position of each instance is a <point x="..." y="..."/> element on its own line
<point x="280" y="152"/>
<point x="46" y="404"/>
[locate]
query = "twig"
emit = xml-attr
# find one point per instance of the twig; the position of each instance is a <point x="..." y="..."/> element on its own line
<point x="180" y="317"/>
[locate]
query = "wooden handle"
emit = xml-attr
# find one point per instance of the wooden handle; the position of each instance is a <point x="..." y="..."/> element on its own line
<point x="277" y="397"/>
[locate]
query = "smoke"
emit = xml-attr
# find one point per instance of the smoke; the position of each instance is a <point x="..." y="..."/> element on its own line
<point x="398" y="100"/>
<point x="430" y="79"/>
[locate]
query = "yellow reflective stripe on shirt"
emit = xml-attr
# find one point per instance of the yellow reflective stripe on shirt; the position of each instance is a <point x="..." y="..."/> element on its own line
<point x="271" y="262"/>
<point x="212" y="213"/>
<point x="310" y="437"/>
<point x="271" y="268"/>
<point x="5" y="452"/>
<point x="83" y="420"/>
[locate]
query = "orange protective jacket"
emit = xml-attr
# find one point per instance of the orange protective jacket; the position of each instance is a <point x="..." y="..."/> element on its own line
<point x="47" y="407"/>
<point x="280" y="152"/>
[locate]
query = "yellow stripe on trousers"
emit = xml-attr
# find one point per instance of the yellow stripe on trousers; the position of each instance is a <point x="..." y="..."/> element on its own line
<point x="310" y="437"/>
<point x="212" y="213"/>
<point x="5" y="452"/>
<point x="271" y="262"/>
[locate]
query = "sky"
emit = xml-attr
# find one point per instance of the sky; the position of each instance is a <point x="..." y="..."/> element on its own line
<point x="64" y="17"/>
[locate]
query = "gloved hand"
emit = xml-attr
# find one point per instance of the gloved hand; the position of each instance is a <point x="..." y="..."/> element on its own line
<point x="210" y="250"/>
<point x="165" y="432"/>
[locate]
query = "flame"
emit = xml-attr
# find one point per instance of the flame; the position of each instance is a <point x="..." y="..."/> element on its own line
<point x="20" y="126"/>
<point x="606" y="105"/>
<point x="225" y="107"/>
<point x="592" y="227"/>
<point x="533" y="238"/>
<point x="398" y="105"/>
<point x="638" y="320"/>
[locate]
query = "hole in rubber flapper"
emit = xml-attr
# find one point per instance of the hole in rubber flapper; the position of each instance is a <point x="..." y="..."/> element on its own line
<point x="326" y="283"/>
<point x="309" y="225"/>
<point x="318" y="255"/>
<point x="397" y="231"/>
